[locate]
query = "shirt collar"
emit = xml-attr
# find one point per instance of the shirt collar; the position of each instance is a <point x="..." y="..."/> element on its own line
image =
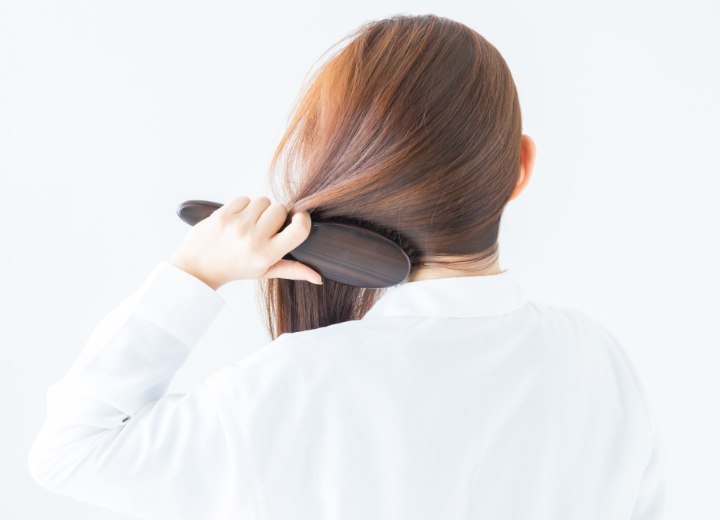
<point x="459" y="297"/>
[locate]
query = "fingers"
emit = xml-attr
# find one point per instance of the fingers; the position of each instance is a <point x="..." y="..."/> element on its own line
<point x="232" y="207"/>
<point x="264" y="218"/>
<point x="293" y="235"/>
<point x="256" y="208"/>
<point x="260" y="214"/>
<point x="293" y="270"/>
<point x="271" y="219"/>
<point x="249" y="209"/>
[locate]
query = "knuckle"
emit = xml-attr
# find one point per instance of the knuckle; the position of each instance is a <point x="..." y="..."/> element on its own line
<point x="222" y="216"/>
<point x="260" y="263"/>
<point x="242" y="226"/>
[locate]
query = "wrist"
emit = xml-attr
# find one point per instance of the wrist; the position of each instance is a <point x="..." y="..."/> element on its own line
<point x="189" y="268"/>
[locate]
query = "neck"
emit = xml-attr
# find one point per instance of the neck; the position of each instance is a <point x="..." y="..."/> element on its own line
<point x="463" y="266"/>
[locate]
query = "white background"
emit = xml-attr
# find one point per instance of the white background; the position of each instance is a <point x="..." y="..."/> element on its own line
<point x="112" y="113"/>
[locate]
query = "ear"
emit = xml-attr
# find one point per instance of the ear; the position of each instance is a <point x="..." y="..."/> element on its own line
<point x="527" y="161"/>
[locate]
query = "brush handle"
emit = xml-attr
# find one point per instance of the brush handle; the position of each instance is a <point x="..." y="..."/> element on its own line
<point x="346" y="253"/>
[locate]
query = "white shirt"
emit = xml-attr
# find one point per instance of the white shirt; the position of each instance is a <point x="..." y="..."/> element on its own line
<point x="453" y="398"/>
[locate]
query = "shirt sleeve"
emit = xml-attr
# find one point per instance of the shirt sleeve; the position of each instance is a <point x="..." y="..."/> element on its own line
<point x="650" y="504"/>
<point x="113" y="437"/>
<point x="651" y="496"/>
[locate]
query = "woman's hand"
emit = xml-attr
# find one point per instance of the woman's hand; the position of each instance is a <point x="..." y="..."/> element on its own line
<point x="240" y="241"/>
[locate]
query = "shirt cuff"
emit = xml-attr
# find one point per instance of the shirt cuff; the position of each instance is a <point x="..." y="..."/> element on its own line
<point x="178" y="302"/>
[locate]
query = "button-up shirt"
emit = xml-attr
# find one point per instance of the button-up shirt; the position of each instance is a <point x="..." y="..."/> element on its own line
<point x="452" y="398"/>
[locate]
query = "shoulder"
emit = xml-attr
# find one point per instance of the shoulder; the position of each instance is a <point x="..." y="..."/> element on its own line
<point x="571" y="327"/>
<point x="560" y="315"/>
<point x="298" y="357"/>
<point x="599" y="351"/>
<point x="564" y="325"/>
<point x="312" y="347"/>
<point x="295" y="373"/>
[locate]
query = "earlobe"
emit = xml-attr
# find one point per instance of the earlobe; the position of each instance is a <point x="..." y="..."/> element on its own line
<point x="519" y="185"/>
<point x="530" y="154"/>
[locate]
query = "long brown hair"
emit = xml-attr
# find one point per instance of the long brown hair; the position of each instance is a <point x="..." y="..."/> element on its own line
<point x="412" y="128"/>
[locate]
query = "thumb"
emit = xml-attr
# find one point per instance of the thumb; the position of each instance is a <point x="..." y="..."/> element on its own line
<point x="293" y="270"/>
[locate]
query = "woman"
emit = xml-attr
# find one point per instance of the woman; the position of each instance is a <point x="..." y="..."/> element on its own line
<point x="450" y="395"/>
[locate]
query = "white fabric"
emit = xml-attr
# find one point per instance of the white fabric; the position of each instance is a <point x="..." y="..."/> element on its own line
<point x="453" y="398"/>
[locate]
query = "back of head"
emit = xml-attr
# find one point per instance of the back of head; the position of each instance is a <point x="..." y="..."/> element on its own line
<point x="413" y="129"/>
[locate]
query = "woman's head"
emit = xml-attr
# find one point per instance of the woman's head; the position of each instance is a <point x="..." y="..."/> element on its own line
<point x="412" y="128"/>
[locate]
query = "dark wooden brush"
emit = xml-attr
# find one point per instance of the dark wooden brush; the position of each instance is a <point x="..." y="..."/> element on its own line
<point x="344" y="252"/>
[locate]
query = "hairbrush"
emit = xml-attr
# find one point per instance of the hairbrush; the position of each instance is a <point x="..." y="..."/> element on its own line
<point x="344" y="252"/>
